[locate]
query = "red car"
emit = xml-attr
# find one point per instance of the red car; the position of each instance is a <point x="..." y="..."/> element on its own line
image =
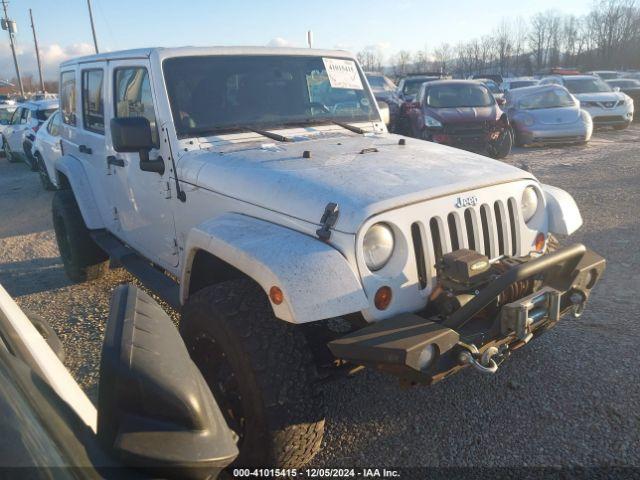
<point x="463" y="114"/>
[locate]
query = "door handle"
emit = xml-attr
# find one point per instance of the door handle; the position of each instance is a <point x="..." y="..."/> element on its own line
<point x="116" y="162"/>
<point x="85" y="149"/>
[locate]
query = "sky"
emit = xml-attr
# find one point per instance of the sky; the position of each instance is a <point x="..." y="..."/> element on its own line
<point x="388" y="25"/>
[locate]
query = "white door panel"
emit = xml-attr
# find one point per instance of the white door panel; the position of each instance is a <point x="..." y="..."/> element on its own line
<point x="143" y="200"/>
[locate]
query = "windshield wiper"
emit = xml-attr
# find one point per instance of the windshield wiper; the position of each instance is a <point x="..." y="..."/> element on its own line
<point x="348" y="126"/>
<point x="271" y="135"/>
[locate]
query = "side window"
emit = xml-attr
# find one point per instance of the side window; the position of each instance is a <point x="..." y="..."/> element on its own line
<point x="92" y="101"/>
<point x="26" y="115"/>
<point x="54" y="125"/>
<point x="132" y="95"/>
<point x="68" y="97"/>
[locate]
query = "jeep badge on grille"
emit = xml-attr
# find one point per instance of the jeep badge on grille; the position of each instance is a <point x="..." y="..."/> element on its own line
<point x="466" y="201"/>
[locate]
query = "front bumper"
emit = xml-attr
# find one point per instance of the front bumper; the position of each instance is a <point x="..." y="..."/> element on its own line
<point x="397" y="345"/>
<point x="604" y="117"/>
<point x="475" y="141"/>
<point x="554" y="134"/>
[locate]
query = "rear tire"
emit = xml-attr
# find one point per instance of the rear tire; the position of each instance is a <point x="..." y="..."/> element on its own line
<point x="261" y="371"/>
<point x="83" y="260"/>
<point x="46" y="182"/>
<point x="29" y="159"/>
<point x="7" y="152"/>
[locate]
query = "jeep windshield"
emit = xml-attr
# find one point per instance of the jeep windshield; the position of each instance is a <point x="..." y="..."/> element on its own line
<point x="220" y="94"/>
<point x="586" y="85"/>
<point x="459" y="95"/>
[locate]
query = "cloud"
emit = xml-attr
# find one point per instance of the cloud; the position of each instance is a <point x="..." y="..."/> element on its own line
<point x="50" y="55"/>
<point x="279" y="42"/>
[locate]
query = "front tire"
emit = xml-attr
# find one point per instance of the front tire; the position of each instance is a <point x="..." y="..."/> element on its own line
<point x="46" y="182"/>
<point x="260" y="370"/>
<point x="83" y="260"/>
<point x="502" y="146"/>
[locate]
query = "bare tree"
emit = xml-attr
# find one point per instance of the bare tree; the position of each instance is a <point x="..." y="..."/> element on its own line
<point x="443" y="56"/>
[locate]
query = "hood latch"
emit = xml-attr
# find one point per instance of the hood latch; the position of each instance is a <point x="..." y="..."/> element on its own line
<point x="328" y="220"/>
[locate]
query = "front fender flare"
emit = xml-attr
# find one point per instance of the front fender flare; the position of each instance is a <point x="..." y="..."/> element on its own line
<point x="317" y="281"/>
<point x="562" y="210"/>
<point x="74" y="171"/>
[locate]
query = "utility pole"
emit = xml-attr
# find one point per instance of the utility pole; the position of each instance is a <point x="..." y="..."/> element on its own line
<point x="93" y="27"/>
<point x="35" y="40"/>
<point x="10" y="27"/>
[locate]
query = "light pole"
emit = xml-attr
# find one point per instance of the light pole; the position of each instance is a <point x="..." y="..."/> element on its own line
<point x="35" y="40"/>
<point x="93" y="27"/>
<point x="10" y="27"/>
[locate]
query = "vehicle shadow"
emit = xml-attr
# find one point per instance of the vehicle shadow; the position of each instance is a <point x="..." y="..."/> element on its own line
<point x="33" y="276"/>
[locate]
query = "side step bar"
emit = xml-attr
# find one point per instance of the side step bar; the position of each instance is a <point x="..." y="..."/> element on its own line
<point x="141" y="268"/>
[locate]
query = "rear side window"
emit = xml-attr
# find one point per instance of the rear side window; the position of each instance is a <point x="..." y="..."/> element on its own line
<point x="133" y="96"/>
<point x="92" y="101"/>
<point x="68" y="97"/>
<point x="42" y="115"/>
<point x="54" y="125"/>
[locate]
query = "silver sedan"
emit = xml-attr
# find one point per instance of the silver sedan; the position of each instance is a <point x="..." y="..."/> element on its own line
<point x="547" y="114"/>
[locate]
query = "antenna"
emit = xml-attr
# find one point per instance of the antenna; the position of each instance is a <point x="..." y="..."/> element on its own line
<point x="35" y="40"/>
<point x="93" y="27"/>
<point x="11" y="27"/>
<point x="310" y="38"/>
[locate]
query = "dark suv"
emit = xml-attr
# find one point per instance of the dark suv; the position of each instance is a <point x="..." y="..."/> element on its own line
<point x="463" y="114"/>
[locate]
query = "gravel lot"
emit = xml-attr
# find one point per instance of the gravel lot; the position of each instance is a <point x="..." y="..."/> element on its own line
<point x="572" y="398"/>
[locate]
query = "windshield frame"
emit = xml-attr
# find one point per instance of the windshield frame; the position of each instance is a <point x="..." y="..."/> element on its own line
<point x="282" y="123"/>
<point x="480" y="85"/>
<point x="595" y="80"/>
<point x="519" y="105"/>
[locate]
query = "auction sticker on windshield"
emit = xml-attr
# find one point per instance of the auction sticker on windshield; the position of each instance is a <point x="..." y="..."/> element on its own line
<point x="343" y="73"/>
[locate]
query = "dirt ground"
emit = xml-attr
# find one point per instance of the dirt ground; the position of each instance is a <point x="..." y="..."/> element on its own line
<point x="571" y="398"/>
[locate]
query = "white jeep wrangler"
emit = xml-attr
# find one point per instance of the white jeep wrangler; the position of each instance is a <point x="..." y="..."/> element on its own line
<point x="259" y="189"/>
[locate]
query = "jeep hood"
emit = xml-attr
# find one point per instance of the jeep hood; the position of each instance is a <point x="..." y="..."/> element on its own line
<point x="363" y="174"/>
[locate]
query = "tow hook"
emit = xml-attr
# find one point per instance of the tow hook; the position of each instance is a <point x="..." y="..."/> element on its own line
<point x="484" y="363"/>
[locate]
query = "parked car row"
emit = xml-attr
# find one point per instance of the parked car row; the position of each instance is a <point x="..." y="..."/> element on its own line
<point x="32" y="135"/>
<point x="486" y="117"/>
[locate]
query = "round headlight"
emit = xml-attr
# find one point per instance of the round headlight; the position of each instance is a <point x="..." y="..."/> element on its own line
<point x="529" y="203"/>
<point x="377" y="246"/>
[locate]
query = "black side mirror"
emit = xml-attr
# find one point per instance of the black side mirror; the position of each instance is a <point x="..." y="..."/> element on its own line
<point x="133" y="134"/>
<point x="155" y="410"/>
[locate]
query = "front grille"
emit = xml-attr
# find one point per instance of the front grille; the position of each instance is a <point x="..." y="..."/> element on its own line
<point x="608" y="119"/>
<point x="472" y="128"/>
<point x="491" y="229"/>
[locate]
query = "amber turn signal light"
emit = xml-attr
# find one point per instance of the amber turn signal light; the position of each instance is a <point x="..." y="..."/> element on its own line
<point x="276" y="295"/>
<point x="540" y="239"/>
<point x="382" y="298"/>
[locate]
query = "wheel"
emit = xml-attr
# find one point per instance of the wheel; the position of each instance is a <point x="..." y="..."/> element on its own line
<point x="502" y="146"/>
<point x="7" y="152"/>
<point x="83" y="260"/>
<point x="425" y="135"/>
<point x="29" y="159"/>
<point x="261" y="372"/>
<point x="46" y="182"/>
<point x="517" y="139"/>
